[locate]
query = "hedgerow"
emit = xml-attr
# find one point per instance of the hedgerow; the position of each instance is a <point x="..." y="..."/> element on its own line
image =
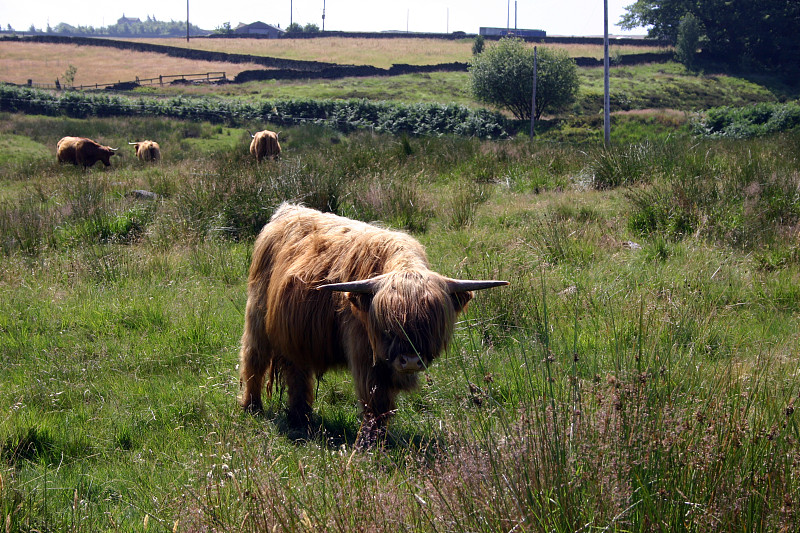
<point x="389" y="117"/>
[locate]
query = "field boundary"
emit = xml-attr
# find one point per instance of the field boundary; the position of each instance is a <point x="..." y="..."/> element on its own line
<point x="176" y="51"/>
<point x="291" y="69"/>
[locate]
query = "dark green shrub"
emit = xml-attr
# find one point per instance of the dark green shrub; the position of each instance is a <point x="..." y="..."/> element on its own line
<point x="502" y="76"/>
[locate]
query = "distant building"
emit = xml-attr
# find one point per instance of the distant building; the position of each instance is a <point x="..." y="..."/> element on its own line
<point x="501" y="32"/>
<point x="259" y="28"/>
<point x="128" y="20"/>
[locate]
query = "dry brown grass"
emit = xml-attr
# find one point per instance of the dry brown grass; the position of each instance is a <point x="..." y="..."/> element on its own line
<point x="377" y="52"/>
<point x="43" y="63"/>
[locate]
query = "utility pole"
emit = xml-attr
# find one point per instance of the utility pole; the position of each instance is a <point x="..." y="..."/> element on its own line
<point x="323" y="15"/>
<point x="535" y="81"/>
<point x="291" y="12"/>
<point x="508" y="17"/>
<point x="606" y="97"/>
<point x="515" y="17"/>
<point x="187" y="21"/>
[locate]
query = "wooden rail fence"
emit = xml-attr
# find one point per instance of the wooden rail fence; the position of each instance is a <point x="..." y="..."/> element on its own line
<point x="207" y="77"/>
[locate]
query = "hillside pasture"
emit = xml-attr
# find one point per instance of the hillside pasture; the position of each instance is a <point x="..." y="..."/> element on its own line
<point x="44" y="63"/>
<point x="381" y="53"/>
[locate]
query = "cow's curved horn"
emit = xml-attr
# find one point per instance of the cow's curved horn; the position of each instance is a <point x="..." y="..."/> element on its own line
<point x="133" y="143"/>
<point x="113" y="149"/>
<point x="364" y="286"/>
<point x="251" y="135"/>
<point x="464" y="285"/>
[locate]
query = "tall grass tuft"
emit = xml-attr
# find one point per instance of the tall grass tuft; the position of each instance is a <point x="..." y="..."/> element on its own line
<point x="618" y="166"/>
<point x="463" y="200"/>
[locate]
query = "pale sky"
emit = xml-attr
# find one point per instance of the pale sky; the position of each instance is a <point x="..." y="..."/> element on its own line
<point x="556" y="17"/>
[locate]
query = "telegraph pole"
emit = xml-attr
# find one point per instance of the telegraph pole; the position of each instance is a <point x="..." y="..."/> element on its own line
<point x="187" y="21"/>
<point x="291" y="12"/>
<point x="606" y="97"/>
<point x="533" y="97"/>
<point x="323" y="15"/>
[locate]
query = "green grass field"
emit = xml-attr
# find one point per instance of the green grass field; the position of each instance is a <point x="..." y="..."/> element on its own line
<point x="639" y="373"/>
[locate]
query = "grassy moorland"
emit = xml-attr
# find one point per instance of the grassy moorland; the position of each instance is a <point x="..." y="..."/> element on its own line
<point x="639" y="374"/>
<point x="643" y="87"/>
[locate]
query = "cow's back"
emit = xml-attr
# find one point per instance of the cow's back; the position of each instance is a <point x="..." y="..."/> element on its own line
<point x="265" y="144"/>
<point x="66" y="150"/>
<point x="300" y="249"/>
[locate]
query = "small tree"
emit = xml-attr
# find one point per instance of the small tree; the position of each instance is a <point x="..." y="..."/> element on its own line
<point x="69" y="75"/>
<point x="311" y="28"/>
<point x="502" y="76"/>
<point x="294" y="27"/>
<point x="478" y="45"/>
<point x="690" y="31"/>
<point x="225" y="29"/>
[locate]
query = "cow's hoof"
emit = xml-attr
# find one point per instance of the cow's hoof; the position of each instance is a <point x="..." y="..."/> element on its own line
<point x="254" y="407"/>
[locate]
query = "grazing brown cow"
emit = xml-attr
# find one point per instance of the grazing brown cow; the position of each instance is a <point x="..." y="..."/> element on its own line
<point x="265" y="144"/>
<point x="328" y="292"/>
<point x="83" y="151"/>
<point x="147" y="150"/>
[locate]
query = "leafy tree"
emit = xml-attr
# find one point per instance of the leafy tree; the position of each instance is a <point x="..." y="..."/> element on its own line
<point x="478" y="45"/>
<point x="225" y="29"/>
<point x="294" y="27"/>
<point x="69" y="75"/>
<point x="737" y="32"/>
<point x="502" y="76"/>
<point x="311" y="28"/>
<point x="690" y="31"/>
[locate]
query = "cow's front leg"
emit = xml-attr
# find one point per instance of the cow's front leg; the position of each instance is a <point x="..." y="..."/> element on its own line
<point x="378" y="400"/>
<point x="301" y="395"/>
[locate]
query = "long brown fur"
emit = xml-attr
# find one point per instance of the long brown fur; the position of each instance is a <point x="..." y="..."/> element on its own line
<point x="147" y="151"/>
<point x="265" y="144"/>
<point x="82" y="151"/>
<point x="294" y="333"/>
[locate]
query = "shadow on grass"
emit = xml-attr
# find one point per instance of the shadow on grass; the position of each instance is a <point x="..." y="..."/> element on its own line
<point x="339" y="429"/>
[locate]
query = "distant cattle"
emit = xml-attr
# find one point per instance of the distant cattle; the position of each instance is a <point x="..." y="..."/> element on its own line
<point x="147" y="150"/>
<point x="265" y="144"/>
<point x="328" y="292"/>
<point x="83" y="151"/>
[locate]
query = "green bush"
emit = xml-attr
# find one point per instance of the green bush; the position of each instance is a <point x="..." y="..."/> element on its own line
<point x="749" y="121"/>
<point x="502" y="76"/>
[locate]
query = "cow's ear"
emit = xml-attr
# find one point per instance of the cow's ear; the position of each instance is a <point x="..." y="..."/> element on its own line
<point x="460" y="300"/>
<point x="360" y="300"/>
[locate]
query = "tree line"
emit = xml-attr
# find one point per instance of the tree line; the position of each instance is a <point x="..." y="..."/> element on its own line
<point x="142" y="28"/>
<point x="748" y="34"/>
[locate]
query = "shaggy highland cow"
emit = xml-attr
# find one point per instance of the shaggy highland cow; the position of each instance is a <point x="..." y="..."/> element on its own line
<point x="147" y="151"/>
<point x="328" y="292"/>
<point x="265" y="144"/>
<point x="83" y="151"/>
